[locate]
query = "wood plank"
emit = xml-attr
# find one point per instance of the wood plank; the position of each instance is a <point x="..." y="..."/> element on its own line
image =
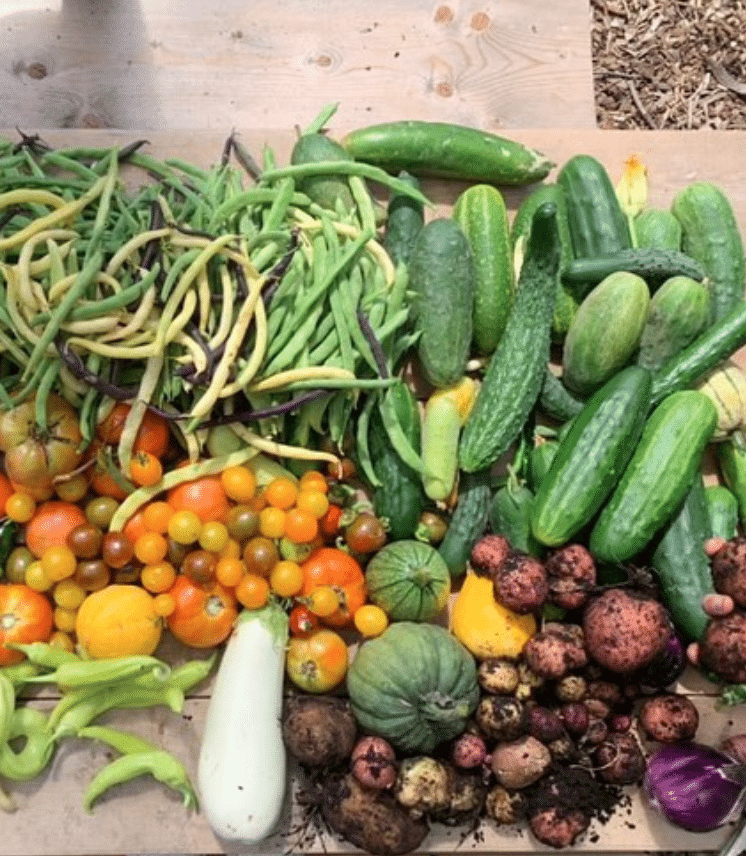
<point x="159" y="64"/>
<point x="142" y="817"/>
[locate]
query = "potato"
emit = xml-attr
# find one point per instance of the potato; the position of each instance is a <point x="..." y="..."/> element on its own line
<point x="625" y="630"/>
<point x="370" y="819"/>
<point x="319" y="731"/>
<point x="669" y="718"/>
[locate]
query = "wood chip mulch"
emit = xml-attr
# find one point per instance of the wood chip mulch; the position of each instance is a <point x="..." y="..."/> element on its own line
<point x="669" y="64"/>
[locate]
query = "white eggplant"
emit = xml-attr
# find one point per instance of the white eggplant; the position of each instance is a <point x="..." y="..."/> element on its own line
<point x="242" y="765"/>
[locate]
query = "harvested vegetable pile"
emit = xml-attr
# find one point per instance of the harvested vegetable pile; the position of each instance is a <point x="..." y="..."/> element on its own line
<point x="433" y="485"/>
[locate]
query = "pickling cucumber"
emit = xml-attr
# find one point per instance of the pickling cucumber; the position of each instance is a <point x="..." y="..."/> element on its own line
<point x="656" y="478"/>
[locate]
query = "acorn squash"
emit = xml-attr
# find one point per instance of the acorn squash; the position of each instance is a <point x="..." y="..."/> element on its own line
<point x="415" y="685"/>
<point x="409" y="580"/>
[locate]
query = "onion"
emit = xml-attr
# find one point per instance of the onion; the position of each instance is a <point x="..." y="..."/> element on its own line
<point x="694" y="786"/>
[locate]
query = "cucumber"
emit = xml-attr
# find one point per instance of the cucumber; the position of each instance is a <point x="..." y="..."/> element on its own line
<point x="710" y="234"/>
<point x="480" y="211"/>
<point x="540" y="459"/>
<point x="566" y="302"/>
<point x="658" y="228"/>
<point x="511" y="384"/>
<point x="405" y="218"/>
<point x="445" y="150"/>
<point x="731" y="459"/>
<point x="598" y="226"/>
<point x="679" y="311"/>
<point x="556" y="400"/>
<point x="657" y="477"/>
<point x="722" y="511"/>
<point x="442" y="282"/>
<point x="332" y="192"/>
<point x="605" y="333"/>
<point x="510" y="516"/>
<point x="653" y="265"/>
<point x="591" y="457"/>
<point x="719" y="341"/>
<point x="468" y="522"/>
<point x="399" y="498"/>
<point x="681" y="565"/>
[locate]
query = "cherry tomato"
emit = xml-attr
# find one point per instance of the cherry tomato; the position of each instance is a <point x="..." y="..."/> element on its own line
<point x="203" y="614"/>
<point x="365" y="534"/>
<point x="145" y="469"/>
<point x="317" y="662"/>
<point x="25" y="616"/>
<point x="302" y="622"/>
<point x="370" y="620"/>
<point x="152" y="436"/>
<point x="252" y="591"/>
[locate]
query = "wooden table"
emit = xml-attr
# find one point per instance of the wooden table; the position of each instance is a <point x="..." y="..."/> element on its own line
<point x="143" y="817"/>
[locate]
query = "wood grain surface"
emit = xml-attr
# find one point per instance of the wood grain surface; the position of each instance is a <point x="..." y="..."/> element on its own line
<point x="223" y="63"/>
<point x="142" y="817"/>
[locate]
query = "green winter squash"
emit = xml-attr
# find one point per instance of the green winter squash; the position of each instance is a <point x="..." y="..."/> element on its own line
<point x="415" y="685"/>
<point x="409" y="580"/>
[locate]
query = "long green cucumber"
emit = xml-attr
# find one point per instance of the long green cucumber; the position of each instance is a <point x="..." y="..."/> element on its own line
<point x="681" y="565"/>
<point x="711" y="235"/>
<point x="445" y="150"/>
<point x="656" y="478"/>
<point x="480" y="211"/>
<point x="719" y="341"/>
<point x="591" y="457"/>
<point x="511" y="384"/>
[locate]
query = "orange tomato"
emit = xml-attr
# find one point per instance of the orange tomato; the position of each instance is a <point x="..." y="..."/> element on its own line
<point x="203" y="615"/>
<point x="317" y="662"/>
<point x="101" y="480"/>
<point x="152" y="436"/>
<point x="25" y="616"/>
<point x="50" y="525"/>
<point x="330" y="566"/>
<point x="118" y="620"/>
<point x="145" y="469"/>
<point x="204" y="496"/>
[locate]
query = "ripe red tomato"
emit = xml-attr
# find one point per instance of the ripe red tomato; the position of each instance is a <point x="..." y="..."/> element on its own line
<point x="204" y="612"/>
<point x="25" y="616"/>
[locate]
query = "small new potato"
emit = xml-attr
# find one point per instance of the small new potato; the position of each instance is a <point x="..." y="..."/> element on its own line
<point x="669" y="718"/>
<point x="519" y="763"/>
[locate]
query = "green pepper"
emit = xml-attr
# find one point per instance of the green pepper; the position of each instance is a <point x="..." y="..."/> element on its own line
<point x="38" y="746"/>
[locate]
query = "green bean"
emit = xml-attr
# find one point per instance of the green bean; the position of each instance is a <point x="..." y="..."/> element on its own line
<point x="87" y="275"/>
<point x="357" y="168"/>
<point x="46" y="383"/>
<point x="60" y="160"/>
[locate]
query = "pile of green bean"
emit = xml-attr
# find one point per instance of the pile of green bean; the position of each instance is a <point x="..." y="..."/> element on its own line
<point x="210" y="298"/>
